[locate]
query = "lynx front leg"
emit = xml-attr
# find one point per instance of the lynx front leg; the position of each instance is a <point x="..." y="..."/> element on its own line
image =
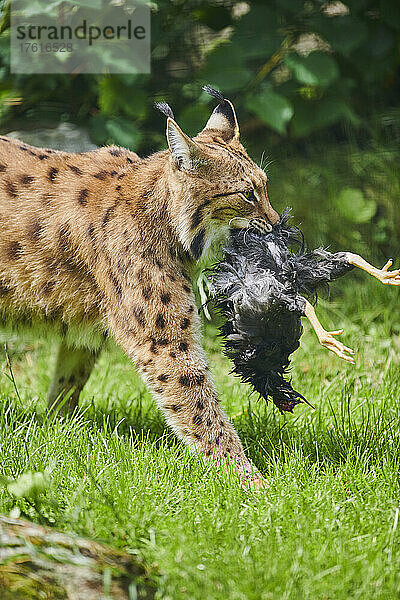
<point x="326" y="338"/>
<point x="73" y="368"/>
<point x="161" y="338"/>
<point x="384" y="275"/>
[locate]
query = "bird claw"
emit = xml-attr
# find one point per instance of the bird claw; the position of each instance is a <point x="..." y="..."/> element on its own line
<point x="328" y="340"/>
<point x="388" y="277"/>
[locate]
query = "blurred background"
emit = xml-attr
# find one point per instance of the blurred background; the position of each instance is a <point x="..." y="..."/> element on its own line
<point x="316" y="88"/>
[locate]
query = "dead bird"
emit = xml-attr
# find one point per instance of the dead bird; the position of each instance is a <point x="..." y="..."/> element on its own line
<point x="263" y="286"/>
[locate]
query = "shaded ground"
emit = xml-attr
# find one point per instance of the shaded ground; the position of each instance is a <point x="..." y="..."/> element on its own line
<point x="38" y="563"/>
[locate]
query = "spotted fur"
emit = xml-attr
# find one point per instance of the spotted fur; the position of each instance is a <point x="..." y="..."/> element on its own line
<point x="91" y="259"/>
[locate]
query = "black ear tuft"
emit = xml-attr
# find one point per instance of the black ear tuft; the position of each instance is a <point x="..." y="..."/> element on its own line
<point x="165" y="109"/>
<point x="215" y="93"/>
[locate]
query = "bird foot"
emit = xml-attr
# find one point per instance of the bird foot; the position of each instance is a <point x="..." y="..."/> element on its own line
<point x="326" y="338"/>
<point x="383" y="275"/>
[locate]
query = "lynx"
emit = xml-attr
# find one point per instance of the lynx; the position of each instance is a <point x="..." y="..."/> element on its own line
<point x="102" y="244"/>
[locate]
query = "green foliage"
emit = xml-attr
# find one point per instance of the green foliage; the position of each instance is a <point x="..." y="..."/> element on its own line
<point x="354" y="207"/>
<point x="272" y="108"/>
<point x="29" y="485"/>
<point x="335" y="61"/>
<point x="301" y="74"/>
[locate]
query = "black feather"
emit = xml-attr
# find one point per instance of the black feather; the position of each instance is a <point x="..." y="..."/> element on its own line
<point x="215" y="93"/>
<point x="260" y="285"/>
<point x="165" y="109"/>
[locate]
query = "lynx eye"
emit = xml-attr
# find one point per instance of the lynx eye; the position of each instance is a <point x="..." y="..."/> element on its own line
<point x="249" y="196"/>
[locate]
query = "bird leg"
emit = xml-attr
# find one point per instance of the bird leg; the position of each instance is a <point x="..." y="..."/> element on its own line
<point x="326" y="337"/>
<point x="384" y="275"/>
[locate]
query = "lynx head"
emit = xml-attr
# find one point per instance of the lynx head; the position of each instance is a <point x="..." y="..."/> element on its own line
<point x="215" y="184"/>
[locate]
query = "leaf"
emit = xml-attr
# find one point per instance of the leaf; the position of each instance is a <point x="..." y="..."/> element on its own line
<point x="354" y="207"/>
<point x="215" y="17"/>
<point x="309" y="116"/>
<point x="114" y="97"/>
<point x="225" y="69"/>
<point x="343" y="33"/>
<point x="272" y="108"/>
<point x="315" y="69"/>
<point x="257" y="33"/>
<point x="193" y="118"/>
<point x="123" y="132"/>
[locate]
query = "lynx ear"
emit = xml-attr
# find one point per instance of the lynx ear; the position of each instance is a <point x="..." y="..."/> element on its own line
<point x="184" y="150"/>
<point x="223" y="118"/>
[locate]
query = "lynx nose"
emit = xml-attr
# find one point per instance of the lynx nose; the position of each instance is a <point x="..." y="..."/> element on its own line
<point x="272" y="215"/>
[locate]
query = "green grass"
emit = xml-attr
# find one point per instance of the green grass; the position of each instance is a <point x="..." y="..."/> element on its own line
<point x="327" y="528"/>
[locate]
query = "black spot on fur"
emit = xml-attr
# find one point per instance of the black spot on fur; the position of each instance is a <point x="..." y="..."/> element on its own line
<point x="90" y="231"/>
<point x="197" y="420"/>
<point x="129" y="160"/>
<point x="185" y="323"/>
<point x="198" y="213"/>
<point x="140" y="274"/>
<point x="163" y="342"/>
<point x="165" y="298"/>
<point x="116" y="284"/>
<point x="35" y="229"/>
<point x="4" y="288"/>
<point x="48" y="287"/>
<point x="107" y="215"/>
<point x="147" y="292"/>
<point x="115" y="152"/>
<point x="197" y="245"/>
<point x="183" y="346"/>
<point x="101" y="175"/>
<point x="200" y="405"/>
<point x="163" y="377"/>
<point x="191" y="308"/>
<point x="160" y="321"/>
<point x="172" y="354"/>
<point x="176" y="407"/>
<point x="41" y="156"/>
<point x="26" y="179"/>
<point x="191" y="380"/>
<point x="83" y="197"/>
<point x="159" y="390"/>
<point x="139" y="316"/>
<point x="14" y="250"/>
<point x="186" y="288"/>
<point x="11" y="189"/>
<point x="208" y="422"/>
<point x="52" y="174"/>
<point x="75" y="169"/>
<point x="2" y="168"/>
<point x="118" y="187"/>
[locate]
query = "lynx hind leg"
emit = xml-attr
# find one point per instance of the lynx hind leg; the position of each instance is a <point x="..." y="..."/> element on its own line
<point x="72" y="370"/>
